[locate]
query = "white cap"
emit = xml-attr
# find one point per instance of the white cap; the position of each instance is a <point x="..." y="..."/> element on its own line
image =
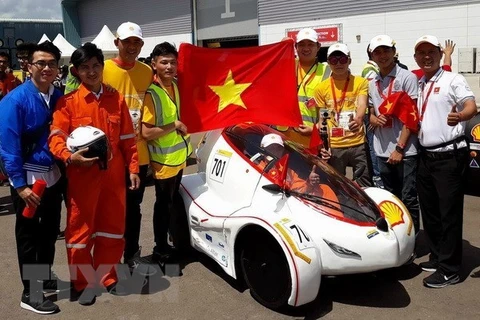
<point x="271" y="138"/>
<point x="307" y="34"/>
<point x="428" y="39"/>
<point x="341" y="47"/>
<point x="129" y="29"/>
<point x="381" y="40"/>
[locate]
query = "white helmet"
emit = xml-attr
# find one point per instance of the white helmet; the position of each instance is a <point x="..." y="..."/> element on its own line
<point x="93" y="138"/>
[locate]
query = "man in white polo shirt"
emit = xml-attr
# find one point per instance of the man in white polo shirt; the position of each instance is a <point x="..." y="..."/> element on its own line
<point x="394" y="145"/>
<point x="445" y="103"/>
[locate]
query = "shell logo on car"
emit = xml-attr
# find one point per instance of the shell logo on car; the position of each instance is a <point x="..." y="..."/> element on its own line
<point x="392" y="212"/>
<point x="476" y="133"/>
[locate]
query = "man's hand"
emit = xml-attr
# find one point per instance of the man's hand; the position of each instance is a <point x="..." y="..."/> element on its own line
<point x="395" y="157"/>
<point x="305" y="130"/>
<point x="180" y="127"/>
<point x="32" y="200"/>
<point x="109" y="88"/>
<point x="78" y="159"/>
<point x="355" y="123"/>
<point x="449" y="47"/>
<point x="325" y="154"/>
<point x="454" y="117"/>
<point x="134" y="181"/>
<point x="380" y="121"/>
<point x="314" y="178"/>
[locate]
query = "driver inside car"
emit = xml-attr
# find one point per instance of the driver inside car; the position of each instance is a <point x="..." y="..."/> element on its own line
<point x="274" y="147"/>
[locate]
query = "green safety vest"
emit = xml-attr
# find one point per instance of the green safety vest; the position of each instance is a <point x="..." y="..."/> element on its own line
<point x="305" y="93"/>
<point x="172" y="149"/>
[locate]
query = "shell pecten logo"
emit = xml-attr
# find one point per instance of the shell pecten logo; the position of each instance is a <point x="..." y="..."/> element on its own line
<point x="476" y="133"/>
<point x="392" y="212"/>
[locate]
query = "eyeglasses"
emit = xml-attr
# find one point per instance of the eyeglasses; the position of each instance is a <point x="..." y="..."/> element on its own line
<point x="336" y="59"/>
<point x="42" y="64"/>
<point x="3" y="62"/>
<point x="22" y="58"/>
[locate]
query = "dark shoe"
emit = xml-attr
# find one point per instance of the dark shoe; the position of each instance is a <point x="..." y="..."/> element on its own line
<point x="440" y="280"/>
<point x="37" y="303"/>
<point x="141" y="265"/>
<point x="117" y="289"/>
<point x="87" y="297"/>
<point x="167" y="256"/>
<point x="429" y="266"/>
<point x="61" y="235"/>
<point x="55" y="285"/>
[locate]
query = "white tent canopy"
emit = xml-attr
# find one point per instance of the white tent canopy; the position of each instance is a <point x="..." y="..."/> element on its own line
<point x="44" y="38"/>
<point x="65" y="47"/>
<point x="104" y="40"/>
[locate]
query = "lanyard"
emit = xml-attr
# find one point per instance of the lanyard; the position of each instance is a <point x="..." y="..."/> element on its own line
<point x="390" y="86"/>
<point x="425" y="101"/>
<point x="303" y="78"/>
<point x="342" y="99"/>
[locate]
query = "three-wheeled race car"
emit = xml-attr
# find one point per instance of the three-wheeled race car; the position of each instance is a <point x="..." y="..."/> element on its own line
<point x="281" y="240"/>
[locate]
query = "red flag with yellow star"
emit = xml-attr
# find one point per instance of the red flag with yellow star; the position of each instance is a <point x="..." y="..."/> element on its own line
<point x="400" y="105"/>
<point x="223" y="87"/>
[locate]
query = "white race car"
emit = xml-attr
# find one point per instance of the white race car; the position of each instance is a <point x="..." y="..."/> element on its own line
<point x="281" y="223"/>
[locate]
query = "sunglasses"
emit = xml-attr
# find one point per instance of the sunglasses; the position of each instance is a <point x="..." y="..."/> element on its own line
<point x="336" y="59"/>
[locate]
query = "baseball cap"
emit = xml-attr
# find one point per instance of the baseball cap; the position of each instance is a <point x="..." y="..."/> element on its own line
<point x="381" y="40"/>
<point x="428" y="39"/>
<point x="307" y="34"/>
<point x="129" y="29"/>
<point x="271" y="138"/>
<point x="340" y="47"/>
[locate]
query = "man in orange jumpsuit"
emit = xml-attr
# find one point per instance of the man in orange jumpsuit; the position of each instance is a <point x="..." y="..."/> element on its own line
<point x="95" y="197"/>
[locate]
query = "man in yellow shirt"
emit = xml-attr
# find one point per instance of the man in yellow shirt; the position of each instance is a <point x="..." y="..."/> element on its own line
<point x="132" y="78"/>
<point x="169" y="146"/>
<point x="344" y="97"/>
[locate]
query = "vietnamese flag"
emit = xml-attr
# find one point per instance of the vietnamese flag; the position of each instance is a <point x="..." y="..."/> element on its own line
<point x="400" y="105"/>
<point x="224" y="87"/>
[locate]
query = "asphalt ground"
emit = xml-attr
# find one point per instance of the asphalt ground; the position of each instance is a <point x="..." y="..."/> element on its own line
<point x="198" y="288"/>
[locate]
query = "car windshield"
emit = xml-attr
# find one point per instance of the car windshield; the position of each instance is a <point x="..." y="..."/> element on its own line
<point x="307" y="177"/>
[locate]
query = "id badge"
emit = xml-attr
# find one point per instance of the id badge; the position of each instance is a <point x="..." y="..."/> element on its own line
<point x="337" y="132"/>
<point x="344" y="119"/>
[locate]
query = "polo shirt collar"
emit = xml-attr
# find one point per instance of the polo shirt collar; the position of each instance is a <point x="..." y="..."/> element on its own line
<point x="435" y="77"/>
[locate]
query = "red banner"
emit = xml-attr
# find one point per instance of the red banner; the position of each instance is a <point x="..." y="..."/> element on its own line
<point x="325" y="34"/>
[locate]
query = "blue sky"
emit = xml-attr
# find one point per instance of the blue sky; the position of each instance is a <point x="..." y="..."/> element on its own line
<point x="30" y="9"/>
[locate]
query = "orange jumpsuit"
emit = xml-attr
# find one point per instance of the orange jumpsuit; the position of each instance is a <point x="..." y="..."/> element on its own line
<point x="95" y="198"/>
<point x="297" y="184"/>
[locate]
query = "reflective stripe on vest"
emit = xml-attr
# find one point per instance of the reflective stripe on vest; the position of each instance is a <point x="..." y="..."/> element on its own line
<point x="167" y="150"/>
<point x="171" y="149"/>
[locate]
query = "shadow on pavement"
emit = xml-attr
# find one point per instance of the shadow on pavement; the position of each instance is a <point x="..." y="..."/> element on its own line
<point x="6" y="206"/>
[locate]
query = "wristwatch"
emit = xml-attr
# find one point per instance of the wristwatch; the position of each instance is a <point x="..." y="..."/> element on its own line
<point x="400" y="149"/>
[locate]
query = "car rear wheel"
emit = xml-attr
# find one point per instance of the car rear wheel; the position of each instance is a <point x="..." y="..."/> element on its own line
<point x="265" y="270"/>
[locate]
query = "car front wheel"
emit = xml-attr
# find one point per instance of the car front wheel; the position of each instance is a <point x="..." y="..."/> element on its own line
<point x="265" y="270"/>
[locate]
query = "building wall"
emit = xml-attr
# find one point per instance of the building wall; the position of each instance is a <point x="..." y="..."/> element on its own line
<point x="160" y="20"/>
<point x="461" y="23"/>
<point x="12" y="30"/>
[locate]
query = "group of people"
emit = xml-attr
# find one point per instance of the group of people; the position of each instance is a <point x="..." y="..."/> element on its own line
<point x="135" y="107"/>
<point x="419" y="152"/>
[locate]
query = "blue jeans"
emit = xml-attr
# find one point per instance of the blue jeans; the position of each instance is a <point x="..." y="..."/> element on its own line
<point x="400" y="179"/>
<point x="373" y="156"/>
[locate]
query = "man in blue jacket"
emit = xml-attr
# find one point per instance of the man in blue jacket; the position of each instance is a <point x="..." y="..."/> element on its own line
<point x="24" y="129"/>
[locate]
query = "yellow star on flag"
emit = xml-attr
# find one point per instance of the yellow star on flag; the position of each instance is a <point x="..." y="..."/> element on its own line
<point x="388" y="106"/>
<point x="230" y="92"/>
<point x="414" y="114"/>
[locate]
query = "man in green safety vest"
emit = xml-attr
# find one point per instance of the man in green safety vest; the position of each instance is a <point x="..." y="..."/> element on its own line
<point x="169" y="146"/>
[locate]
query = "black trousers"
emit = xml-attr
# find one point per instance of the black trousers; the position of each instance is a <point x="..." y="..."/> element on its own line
<point x="36" y="236"/>
<point x="164" y="211"/>
<point x="133" y="216"/>
<point x="440" y="186"/>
